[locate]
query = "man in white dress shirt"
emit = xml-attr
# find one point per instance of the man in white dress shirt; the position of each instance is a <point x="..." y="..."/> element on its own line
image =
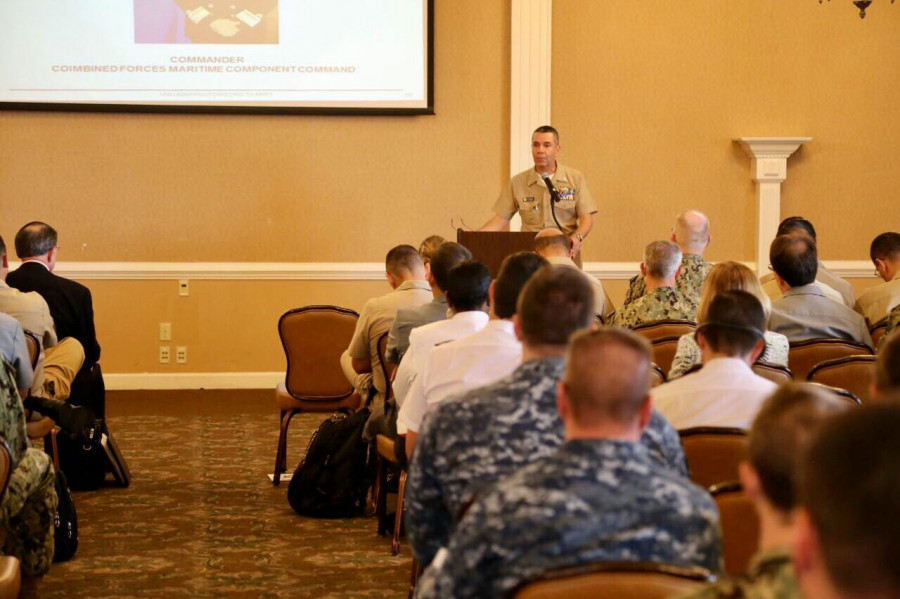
<point x="725" y="392"/>
<point x="467" y="297"/>
<point x="474" y="360"/>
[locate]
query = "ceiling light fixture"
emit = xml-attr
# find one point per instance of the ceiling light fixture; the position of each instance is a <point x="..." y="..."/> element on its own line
<point x="862" y="5"/>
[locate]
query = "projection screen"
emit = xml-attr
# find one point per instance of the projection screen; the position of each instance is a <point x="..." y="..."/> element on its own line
<point x="346" y="56"/>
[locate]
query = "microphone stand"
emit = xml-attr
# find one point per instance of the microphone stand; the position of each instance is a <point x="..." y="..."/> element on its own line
<point x="554" y="198"/>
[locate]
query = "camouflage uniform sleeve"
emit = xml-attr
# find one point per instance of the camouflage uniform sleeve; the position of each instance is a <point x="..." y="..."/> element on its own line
<point x="636" y="288"/>
<point x="893" y="325"/>
<point x="428" y="521"/>
<point x="663" y="444"/>
<point x="686" y="356"/>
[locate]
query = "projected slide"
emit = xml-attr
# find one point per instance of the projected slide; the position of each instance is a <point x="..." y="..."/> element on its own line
<point x="291" y="54"/>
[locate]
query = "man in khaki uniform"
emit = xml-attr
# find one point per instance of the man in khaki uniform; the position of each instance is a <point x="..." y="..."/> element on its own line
<point x="691" y="233"/>
<point x="877" y="302"/>
<point x="406" y="275"/>
<point x="834" y="287"/>
<point x="528" y="195"/>
<point x="662" y="301"/>
<point x="553" y="246"/>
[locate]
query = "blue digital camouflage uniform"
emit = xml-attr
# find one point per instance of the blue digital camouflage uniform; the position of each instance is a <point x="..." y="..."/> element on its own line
<point x="27" y="508"/>
<point x="591" y="501"/>
<point x="693" y="272"/>
<point x="770" y="575"/>
<point x="478" y="437"/>
<point x="664" y="303"/>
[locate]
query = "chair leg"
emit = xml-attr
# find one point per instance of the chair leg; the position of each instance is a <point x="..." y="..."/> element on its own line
<point x="398" y="517"/>
<point x="281" y="450"/>
<point x="414" y="577"/>
<point x="54" y="449"/>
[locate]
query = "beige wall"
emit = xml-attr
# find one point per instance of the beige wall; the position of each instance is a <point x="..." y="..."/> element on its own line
<point x="648" y="96"/>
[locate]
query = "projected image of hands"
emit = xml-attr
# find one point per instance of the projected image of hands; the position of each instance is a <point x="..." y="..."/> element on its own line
<point x="212" y="22"/>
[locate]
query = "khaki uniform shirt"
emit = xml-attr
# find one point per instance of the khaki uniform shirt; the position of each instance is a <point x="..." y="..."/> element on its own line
<point x="528" y="194"/>
<point x="693" y="273"/>
<point x="665" y="303"/>
<point x="376" y="318"/>
<point x="32" y="312"/>
<point x="600" y="305"/>
<point x="770" y="575"/>
<point x="877" y="302"/>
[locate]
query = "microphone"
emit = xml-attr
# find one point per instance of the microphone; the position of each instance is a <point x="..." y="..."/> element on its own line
<point x="554" y="195"/>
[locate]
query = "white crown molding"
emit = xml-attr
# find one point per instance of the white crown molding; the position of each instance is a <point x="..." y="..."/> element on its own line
<point x="330" y="271"/>
<point x="156" y="381"/>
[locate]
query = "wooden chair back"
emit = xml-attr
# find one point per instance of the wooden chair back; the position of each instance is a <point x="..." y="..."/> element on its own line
<point x="854" y="374"/>
<point x="841" y="394"/>
<point x="33" y="343"/>
<point x="713" y="453"/>
<point x="778" y="374"/>
<point x="665" y="328"/>
<point x="615" y="580"/>
<point x="314" y="337"/>
<point x="740" y="527"/>
<point x="657" y="376"/>
<point x="663" y="350"/>
<point x="804" y="355"/>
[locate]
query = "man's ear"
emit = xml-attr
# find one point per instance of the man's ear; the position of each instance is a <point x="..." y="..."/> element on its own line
<point x="749" y="480"/>
<point x="4" y="261"/>
<point x="491" y="293"/>
<point x="806" y="543"/>
<point x="643" y="270"/>
<point x="758" y="349"/>
<point x="562" y="401"/>
<point x="678" y="273"/>
<point x="517" y="326"/>
<point x="645" y="413"/>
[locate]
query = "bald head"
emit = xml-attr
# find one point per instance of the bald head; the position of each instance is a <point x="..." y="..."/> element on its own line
<point x="692" y="232"/>
<point x="607" y="378"/>
<point x="551" y="243"/>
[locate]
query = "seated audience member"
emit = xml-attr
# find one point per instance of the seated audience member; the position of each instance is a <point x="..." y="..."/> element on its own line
<point x="724" y="277"/>
<point x="847" y="530"/>
<point x="467" y="297"/>
<point x="877" y="302"/>
<point x="661" y="266"/>
<point x="887" y="368"/>
<point x="28" y="507"/>
<point x="599" y="497"/>
<point x="14" y="351"/>
<point x="70" y="303"/>
<point x="726" y="391"/>
<point x="436" y="274"/>
<point x="778" y="437"/>
<point x="58" y="362"/>
<point x="555" y="247"/>
<point x="804" y="312"/>
<point x="834" y="287"/>
<point x="691" y="233"/>
<point x="406" y="276"/>
<point x="473" y="439"/>
<point x="474" y="360"/>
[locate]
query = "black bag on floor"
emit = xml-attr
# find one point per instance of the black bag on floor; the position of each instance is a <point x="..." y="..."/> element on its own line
<point x="84" y="462"/>
<point x="65" y="522"/>
<point x="332" y="480"/>
<point x="115" y="461"/>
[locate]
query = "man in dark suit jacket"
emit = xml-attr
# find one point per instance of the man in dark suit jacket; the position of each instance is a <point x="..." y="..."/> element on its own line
<point x="70" y="303"/>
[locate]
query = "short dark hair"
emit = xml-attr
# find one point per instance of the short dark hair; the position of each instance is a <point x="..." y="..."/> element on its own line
<point x="515" y="271"/>
<point x="885" y="246"/>
<point x="467" y="286"/>
<point x="887" y="365"/>
<point x="402" y="257"/>
<point x="850" y="488"/>
<point x="780" y="432"/>
<point x="555" y="303"/>
<point x="35" y="239"/>
<point x="607" y="375"/>
<point x="735" y="322"/>
<point x="445" y="257"/>
<point x="547" y="129"/>
<point x="795" y="259"/>
<point x="548" y="241"/>
<point x="796" y="224"/>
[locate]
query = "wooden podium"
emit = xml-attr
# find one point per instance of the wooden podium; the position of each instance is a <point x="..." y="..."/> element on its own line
<point x="492" y="247"/>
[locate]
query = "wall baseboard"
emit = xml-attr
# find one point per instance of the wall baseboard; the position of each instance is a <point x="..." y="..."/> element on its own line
<point x="160" y="381"/>
<point x="329" y="271"/>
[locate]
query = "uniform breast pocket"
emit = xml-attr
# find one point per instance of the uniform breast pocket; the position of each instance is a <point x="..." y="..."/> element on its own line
<point x="530" y="210"/>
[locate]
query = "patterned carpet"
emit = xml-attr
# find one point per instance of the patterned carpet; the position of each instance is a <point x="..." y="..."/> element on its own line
<point x="201" y="518"/>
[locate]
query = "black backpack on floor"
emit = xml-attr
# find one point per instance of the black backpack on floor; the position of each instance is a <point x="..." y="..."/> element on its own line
<point x="83" y="461"/>
<point x="332" y="480"/>
<point x="65" y="522"/>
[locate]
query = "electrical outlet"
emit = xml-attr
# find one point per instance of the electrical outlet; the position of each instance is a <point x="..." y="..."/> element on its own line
<point x="164" y="354"/>
<point x="183" y="288"/>
<point x="181" y="354"/>
<point x="165" y="331"/>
